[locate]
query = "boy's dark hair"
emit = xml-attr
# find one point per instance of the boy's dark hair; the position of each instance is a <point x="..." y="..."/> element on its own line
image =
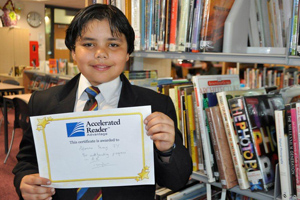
<point x="117" y="21"/>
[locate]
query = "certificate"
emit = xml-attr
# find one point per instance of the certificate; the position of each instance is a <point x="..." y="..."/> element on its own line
<point x="95" y="148"/>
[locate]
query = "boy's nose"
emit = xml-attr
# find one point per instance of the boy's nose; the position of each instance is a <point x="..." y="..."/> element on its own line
<point x="100" y="54"/>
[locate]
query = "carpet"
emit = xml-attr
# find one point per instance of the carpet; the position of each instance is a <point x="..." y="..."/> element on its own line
<point x="7" y="189"/>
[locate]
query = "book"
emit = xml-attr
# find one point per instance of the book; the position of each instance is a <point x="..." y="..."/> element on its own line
<point x="191" y="130"/>
<point x="296" y="145"/>
<point x="228" y="177"/>
<point x="289" y="130"/>
<point x="283" y="160"/>
<point x="182" y="25"/>
<point x="197" y="22"/>
<point x="212" y="30"/>
<point x="294" y="27"/>
<point x="136" y="22"/>
<point x="173" y="25"/>
<point x="231" y="134"/>
<point x="255" y="125"/>
<point x="246" y="143"/>
<point x="190" y="26"/>
<point x="162" y="26"/>
<point x="203" y="85"/>
<point x="52" y="66"/>
<point x="260" y="111"/>
<point x="198" y="137"/>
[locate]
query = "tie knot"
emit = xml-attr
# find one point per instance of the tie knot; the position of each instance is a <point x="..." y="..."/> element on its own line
<point x="92" y="91"/>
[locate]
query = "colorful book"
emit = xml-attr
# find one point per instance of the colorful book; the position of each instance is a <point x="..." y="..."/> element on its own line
<point x="228" y="176"/>
<point x="136" y="22"/>
<point x="294" y="119"/>
<point x="231" y="134"/>
<point x="210" y="84"/>
<point x="183" y="25"/>
<point x="289" y="130"/>
<point x="173" y="25"/>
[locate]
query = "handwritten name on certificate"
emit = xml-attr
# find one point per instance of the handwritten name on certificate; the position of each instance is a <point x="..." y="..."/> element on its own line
<point x="94" y="149"/>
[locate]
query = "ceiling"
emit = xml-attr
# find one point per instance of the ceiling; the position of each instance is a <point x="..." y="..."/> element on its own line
<point x="61" y="3"/>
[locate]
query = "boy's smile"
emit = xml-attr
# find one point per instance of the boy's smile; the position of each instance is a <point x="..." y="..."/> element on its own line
<point x="100" y="56"/>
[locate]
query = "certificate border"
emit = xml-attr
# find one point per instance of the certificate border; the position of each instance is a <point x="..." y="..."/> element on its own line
<point x="41" y="125"/>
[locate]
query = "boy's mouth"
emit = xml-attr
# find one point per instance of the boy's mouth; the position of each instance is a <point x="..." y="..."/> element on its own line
<point x="101" y="67"/>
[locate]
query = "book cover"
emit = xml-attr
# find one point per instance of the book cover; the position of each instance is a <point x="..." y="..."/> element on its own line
<point x="246" y="143"/>
<point x="214" y="15"/>
<point x="283" y="159"/>
<point x="260" y="113"/>
<point x="221" y="148"/>
<point x="231" y="134"/>
<point x="210" y="84"/>
<point x="52" y="66"/>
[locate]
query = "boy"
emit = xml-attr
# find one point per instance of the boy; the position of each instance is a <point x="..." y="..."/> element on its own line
<point x="101" y="40"/>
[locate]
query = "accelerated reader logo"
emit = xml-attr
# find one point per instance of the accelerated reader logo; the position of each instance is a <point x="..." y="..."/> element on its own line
<point x="94" y="128"/>
<point x="75" y="129"/>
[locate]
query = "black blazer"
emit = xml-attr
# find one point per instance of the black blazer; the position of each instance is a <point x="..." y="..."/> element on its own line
<point x="61" y="99"/>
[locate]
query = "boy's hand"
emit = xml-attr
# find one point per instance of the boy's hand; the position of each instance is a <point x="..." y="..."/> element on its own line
<point x="31" y="188"/>
<point x="161" y="129"/>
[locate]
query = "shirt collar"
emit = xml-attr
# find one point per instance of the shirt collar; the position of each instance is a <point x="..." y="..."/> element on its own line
<point x="108" y="90"/>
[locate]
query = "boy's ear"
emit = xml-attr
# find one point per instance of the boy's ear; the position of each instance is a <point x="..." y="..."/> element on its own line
<point x="127" y="57"/>
<point x="73" y="55"/>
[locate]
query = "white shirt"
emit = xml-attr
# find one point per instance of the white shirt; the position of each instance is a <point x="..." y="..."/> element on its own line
<point x="107" y="99"/>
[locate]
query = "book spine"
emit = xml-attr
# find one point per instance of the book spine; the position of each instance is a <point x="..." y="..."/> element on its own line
<point x="296" y="125"/>
<point x="294" y="27"/>
<point x="191" y="124"/>
<point x="183" y="19"/>
<point x="195" y="40"/>
<point x="190" y="26"/>
<point x="198" y="136"/>
<point x="136" y="22"/>
<point x="233" y="141"/>
<point x="246" y="142"/>
<point x="225" y="164"/>
<point x="162" y="26"/>
<point x="168" y="22"/>
<point x="288" y="118"/>
<point x="128" y="10"/>
<point x="282" y="145"/>
<point x="143" y="26"/>
<point x="205" y="140"/>
<point x="173" y="25"/>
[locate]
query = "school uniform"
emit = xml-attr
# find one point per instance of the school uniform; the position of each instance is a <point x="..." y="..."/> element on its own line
<point x="61" y="99"/>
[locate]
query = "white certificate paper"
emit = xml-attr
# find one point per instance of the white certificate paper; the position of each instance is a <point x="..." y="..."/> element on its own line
<point x="94" y="149"/>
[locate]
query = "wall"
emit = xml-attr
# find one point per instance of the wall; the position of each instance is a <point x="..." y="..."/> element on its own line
<point x="35" y="34"/>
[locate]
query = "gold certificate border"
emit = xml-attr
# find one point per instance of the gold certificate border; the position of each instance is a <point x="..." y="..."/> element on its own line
<point x="41" y="126"/>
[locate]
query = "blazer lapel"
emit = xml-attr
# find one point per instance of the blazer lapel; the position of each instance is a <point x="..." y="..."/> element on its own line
<point x="66" y="98"/>
<point x="128" y="97"/>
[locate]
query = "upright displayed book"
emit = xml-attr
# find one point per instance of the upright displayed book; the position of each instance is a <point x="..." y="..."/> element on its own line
<point x="283" y="158"/>
<point x="210" y="84"/>
<point x="231" y="134"/>
<point x="254" y="122"/>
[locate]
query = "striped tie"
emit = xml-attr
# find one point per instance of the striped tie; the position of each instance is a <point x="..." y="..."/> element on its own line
<point x="91" y="104"/>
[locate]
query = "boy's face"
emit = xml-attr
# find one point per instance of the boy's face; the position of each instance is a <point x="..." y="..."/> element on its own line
<point x="100" y="56"/>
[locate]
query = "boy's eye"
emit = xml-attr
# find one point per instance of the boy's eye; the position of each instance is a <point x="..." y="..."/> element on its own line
<point x="88" y="44"/>
<point x="113" y="45"/>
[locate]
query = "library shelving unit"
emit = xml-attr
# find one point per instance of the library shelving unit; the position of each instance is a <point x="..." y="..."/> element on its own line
<point x="235" y="50"/>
